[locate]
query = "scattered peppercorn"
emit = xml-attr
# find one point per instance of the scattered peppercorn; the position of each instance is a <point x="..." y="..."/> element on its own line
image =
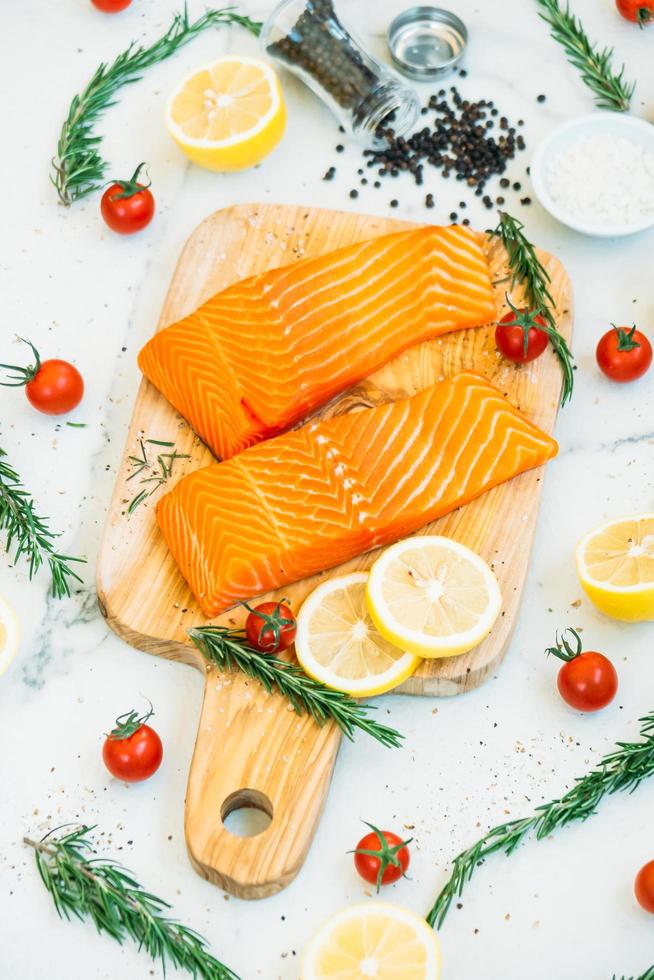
<point x="429" y="201"/>
<point x="364" y="181"/>
<point x="354" y="192"/>
<point x="541" y="98"/>
<point x="505" y="182"/>
<point x="329" y="174"/>
<point x="340" y="148"/>
<point x="499" y="200"/>
<point x="453" y="216"/>
<point x="463" y="73"/>
<point x="395" y="203"/>
<point x="517" y="185"/>
<point x="377" y="184"/>
<point x="525" y="200"/>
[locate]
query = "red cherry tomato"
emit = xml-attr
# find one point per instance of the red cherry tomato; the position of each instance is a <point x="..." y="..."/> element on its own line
<point x="53" y="387"/>
<point x="639" y="11"/>
<point x="381" y="857"/>
<point x="270" y="627"/>
<point x="521" y="335"/>
<point x="624" y="354"/>
<point x="111" y="6"/>
<point x="587" y="681"/>
<point x="644" y="887"/>
<point x="132" y="751"/>
<point x="127" y="206"/>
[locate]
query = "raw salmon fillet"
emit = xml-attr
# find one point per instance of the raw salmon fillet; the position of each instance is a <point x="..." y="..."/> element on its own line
<point x="317" y="496"/>
<point x="267" y="351"/>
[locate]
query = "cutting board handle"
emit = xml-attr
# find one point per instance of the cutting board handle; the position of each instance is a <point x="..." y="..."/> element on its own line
<point x="253" y="751"/>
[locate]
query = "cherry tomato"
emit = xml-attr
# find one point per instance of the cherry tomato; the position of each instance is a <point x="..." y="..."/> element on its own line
<point x="639" y="11"/>
<point x="521" y="335"/>
<point x="381" y="857"/>
<point x="587" y="681"/>
<point x="624" y="354"/>
<point x="132" y="751"/>
<point x="270" y="627"/>
<point x="111" y="6"/>
<point x="644" y="887"/>
<point x="128" y="206"/>
<point x="53" y="387"/>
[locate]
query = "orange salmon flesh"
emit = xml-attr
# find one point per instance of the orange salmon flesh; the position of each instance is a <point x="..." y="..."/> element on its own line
<point x="317" y="496"/>
<point x="266" y="352"/>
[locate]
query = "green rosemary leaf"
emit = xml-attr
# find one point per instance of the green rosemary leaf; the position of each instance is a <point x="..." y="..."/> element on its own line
<point x="77" y="167"/>
<point x="528" y="271"/>
<point x="103" y="891"/>
<point x="29" y="535"/>
<point x="228" y="650"/>
<point x="166" y="461"/>
<point x="620" y="771"/>
<point x="595" y="66"/>
<point x="77" y="425"/>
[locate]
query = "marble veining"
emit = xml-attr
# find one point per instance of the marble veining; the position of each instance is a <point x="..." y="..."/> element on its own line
<point x="562" y="907"/>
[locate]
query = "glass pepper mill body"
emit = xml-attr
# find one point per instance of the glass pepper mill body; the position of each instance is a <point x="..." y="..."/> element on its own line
<point x="308" y="38"/>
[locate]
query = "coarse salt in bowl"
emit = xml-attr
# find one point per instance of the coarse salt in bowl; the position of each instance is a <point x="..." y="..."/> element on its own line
<point x="596" y="174"/>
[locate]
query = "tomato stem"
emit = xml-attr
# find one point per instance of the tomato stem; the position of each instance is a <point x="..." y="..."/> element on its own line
<point x="526" y="320"/>
<point x="626" y="340"/>
<point x="130" y="187"/>
<point x="274" y="621"/>
<point x="23" y="375"/>
<point x="388" y="856"/>
<point x="563" y="649"/>
<point x="129" y="723"/>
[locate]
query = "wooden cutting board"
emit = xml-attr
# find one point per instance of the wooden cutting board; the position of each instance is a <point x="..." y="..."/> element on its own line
<point x="251" y="749"/>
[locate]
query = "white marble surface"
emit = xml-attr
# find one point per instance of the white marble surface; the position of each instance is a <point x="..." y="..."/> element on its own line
<point x="561" y="908"/>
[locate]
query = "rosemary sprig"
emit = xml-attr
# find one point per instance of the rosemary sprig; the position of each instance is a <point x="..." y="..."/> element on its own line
<point x="528" y="271"/>
<point x="107" y="893"/>
<point x="228" y="649"/>
<point x="78" y="169"/>
<point x="621" y="770"/>
<point x="28" y="534"/>
<point x="647" y="975"/>
<point x="142" y="464"/>
<point x="611" y="90"/>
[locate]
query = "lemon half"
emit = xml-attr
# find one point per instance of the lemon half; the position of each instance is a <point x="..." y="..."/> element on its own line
<point x="337" y="642"/>
<point x="615" y="563"/>
<point x="228" y="115"/>
<point x="373" y="939"/>
<point x="9" y="635"/>
<point x="433" y="596"/>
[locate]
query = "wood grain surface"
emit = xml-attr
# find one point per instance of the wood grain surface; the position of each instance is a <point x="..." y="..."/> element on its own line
<point x="251" y="750"/>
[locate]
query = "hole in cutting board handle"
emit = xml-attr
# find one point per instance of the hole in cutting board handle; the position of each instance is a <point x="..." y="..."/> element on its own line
<point x="246" y="813"/>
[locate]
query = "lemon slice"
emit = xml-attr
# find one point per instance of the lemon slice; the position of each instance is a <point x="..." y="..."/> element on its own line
<point x="615" y="564"/>
<point x="9" y="634"/>
<point x="228" y="115"/>
<point x="337" y="643"/>
<point x="373" y="939"/>
<point x="433" y="596"/>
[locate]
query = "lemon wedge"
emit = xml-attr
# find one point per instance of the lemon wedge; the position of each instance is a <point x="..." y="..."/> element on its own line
<point x="228" y="115"/>
<point x="337" y="643"/>
<point x="615" y="564"/>
<point x="373" y="939"/>
<point x="433" y="596"/>
<point x="9" y="634"/>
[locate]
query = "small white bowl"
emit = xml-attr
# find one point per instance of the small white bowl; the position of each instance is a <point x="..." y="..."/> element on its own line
<point x="613" y="123"/>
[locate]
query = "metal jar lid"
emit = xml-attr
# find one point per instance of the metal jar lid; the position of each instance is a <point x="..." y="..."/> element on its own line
<point x="427" y="42"/>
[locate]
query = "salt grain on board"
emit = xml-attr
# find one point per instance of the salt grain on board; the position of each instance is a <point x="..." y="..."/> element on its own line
<point x="603" y="180"/>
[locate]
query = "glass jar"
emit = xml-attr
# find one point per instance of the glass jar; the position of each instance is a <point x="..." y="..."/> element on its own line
<point x="308" y="38"/>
